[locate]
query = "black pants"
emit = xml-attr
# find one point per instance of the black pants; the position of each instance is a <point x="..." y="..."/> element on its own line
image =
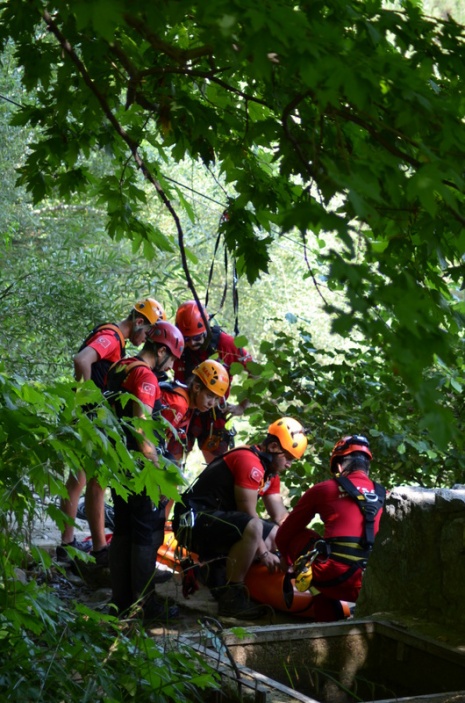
<point x="137" y="517"/>
<point x="138" y="533"/>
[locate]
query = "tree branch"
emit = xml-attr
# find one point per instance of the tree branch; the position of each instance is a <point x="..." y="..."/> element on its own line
<point x="178" y="55"/>
<point x="133" y="145"/>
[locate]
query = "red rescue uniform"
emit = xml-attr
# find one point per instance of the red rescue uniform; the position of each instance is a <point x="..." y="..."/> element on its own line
<point x="341" y="517"/>
<point x="175" y="409"/>
<point x="209" y="428"/>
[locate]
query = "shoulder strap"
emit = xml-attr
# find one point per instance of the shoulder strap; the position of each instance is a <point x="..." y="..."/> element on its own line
<point x="175" y="387"/>
<point x="216" y="462"/>
<point x="215" y="331"/>
<point x="107" y="326"/>
<point x="118" y="373"/>
<point x="369" y="504"/>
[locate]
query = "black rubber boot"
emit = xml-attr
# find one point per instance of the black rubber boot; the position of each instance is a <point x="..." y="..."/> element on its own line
<point x="159" y="611"/>
<point x="234" y="602"/>
<point x="213" y="575"/>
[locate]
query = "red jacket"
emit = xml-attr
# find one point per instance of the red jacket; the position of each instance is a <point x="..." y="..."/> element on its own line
<point x="341" y="518"/>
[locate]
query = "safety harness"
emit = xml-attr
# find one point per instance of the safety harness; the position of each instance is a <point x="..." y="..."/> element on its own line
<point x="193" y="506"/>
<point x="100" y="368"/>
<point x="181" y="390"/>
<point x="175" y="387"/>
<point x="116" y="377"/>
<point x="208" y="427"/>
<point x="352" y="551"/>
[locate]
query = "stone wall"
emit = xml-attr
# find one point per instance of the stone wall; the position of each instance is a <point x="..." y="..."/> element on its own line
<point x="417" y="568"/>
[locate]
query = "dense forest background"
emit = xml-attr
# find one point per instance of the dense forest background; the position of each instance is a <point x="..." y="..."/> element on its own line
<point x="344" y="242"/>
<point x="62" y="273"/>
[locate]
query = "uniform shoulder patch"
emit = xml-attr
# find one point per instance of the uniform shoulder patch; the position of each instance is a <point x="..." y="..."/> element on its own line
<point x="148" y="388"/>
<point x="103" y="341"/>
<point x="256" y="475"/>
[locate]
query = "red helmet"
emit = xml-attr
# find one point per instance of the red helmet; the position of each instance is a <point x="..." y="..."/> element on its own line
<point x="165" y="333"/>
<point x="348" y="445"/>
<point x="151" y="309"/>
<point x="189" y="319"/>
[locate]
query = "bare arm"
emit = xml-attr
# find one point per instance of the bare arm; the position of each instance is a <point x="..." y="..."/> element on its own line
<point x="246" y="502"/>
<point x="275" y="507"/>
<point x="83" y="363"/>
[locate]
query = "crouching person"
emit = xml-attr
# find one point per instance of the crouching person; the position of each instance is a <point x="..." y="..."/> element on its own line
<point x="205" y="390"/>
<point x="218" y="515"/>
<point x="331" y="565"/>
<point x="133" y="548"/>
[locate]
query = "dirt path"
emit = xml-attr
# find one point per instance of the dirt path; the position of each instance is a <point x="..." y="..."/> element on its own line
<point x="90" y="585"/>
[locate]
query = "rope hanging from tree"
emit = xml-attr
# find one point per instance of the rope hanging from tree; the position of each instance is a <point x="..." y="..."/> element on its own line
<point x="235" y="295"/>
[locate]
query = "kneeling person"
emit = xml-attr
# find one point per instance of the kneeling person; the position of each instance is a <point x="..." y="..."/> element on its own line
<point x="223" y="503"/>
<point x="331" y="565"/>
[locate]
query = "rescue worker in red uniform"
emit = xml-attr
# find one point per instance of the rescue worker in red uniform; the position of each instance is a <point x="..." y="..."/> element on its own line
<point x="218" y="515"/>
<point x="206" y="388"/>
<point x="331" y="566"/>
<point x="104" y="345"/>
<point x="138" y="522"/>
<point x="208" y="428"/>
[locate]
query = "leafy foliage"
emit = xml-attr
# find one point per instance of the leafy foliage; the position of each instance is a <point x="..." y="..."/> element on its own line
<point x="50" y="651"/>
<point x="337" y="118"/>
<point x="339" y="121"/>
<point x="339" y="391"/>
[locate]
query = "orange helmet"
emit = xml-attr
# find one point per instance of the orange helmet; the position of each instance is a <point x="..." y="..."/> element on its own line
<point x="189" y="319"/>
<point x="165" y="333"/>
<point x="347" y="445"/>
<point x="151" y="309"/>
<point x="291" y="436"/>
<point x="214" y="376"/>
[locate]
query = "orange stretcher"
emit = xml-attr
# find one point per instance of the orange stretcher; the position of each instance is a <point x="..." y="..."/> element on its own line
<point x="263" y="587"/>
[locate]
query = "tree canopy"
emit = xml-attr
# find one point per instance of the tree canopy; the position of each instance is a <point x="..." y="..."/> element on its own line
<point x="341" y="120"/>
<point x="337" y="124"/>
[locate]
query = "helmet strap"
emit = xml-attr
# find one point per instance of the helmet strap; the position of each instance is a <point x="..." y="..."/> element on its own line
<point x="159" y="364"/>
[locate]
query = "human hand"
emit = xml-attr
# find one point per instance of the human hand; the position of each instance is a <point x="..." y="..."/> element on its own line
<point x="233" y="410"/>
<point x="271" y="561"/>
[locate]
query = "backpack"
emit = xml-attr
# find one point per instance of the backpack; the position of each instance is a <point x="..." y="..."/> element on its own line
<point x="175" y="387"/>
<point x="100" y="368"/>
<point x="116" y="376"/>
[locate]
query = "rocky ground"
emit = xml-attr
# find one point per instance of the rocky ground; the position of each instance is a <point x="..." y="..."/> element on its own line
<point x="89" y="584"/>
